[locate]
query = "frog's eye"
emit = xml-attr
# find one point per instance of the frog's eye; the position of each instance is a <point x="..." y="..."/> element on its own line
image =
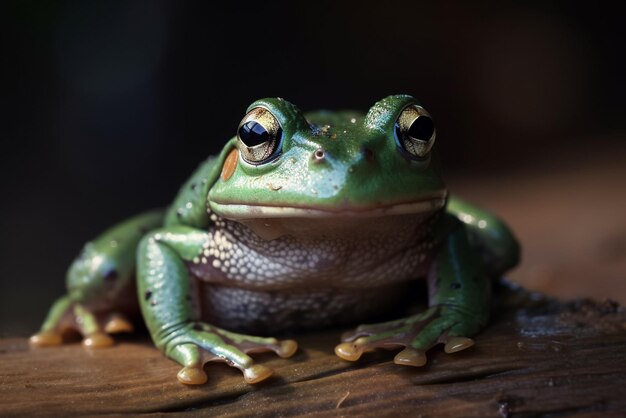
<point x="415" y="131"/>
<point x="259" y="136"/>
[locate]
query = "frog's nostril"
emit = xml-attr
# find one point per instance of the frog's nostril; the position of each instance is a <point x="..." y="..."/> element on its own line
<point x="318" y="155"/>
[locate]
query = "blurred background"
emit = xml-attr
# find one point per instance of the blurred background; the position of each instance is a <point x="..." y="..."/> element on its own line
<point x="105" y="109"/>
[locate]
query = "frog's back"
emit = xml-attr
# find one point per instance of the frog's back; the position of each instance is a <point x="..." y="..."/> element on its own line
<point x="189" y="207"/>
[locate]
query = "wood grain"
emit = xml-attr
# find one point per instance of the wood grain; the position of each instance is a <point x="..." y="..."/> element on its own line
<point x="539" y="357"/>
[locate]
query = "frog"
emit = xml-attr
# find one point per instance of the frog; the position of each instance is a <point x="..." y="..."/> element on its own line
<point x="303" y="221"/>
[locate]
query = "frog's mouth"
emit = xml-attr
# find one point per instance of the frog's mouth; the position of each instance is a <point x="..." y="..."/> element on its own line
<point x="242" y="211"/>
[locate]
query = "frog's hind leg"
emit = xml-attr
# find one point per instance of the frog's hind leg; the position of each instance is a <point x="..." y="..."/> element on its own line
<point x="101" y="287"/>
<point x="489" y="236"/>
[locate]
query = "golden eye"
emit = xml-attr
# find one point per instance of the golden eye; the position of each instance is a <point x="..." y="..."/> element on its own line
<point x="415" y="131"/>
<point x="259" y="136"/>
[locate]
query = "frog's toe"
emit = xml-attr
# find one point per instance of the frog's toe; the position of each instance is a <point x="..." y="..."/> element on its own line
<point x="283" y="349"/>
<point x="365" y="330"/>
<point x="416" y="334"/>
<point x="117" y="323"/>
<point x="352" y="350"/>
<point x="67" y="317"/>
<point x="256" y="373"/>
<point x="349" y="351"/>
<point x="411" y="357"/>
<point x="98" y="340"/>
<point x="190" y="375"/>
<point x="253" y="344"/>
<point x="199" y="346"/>
<point x="46" y="339"/>
<point x="456" y="344"/>
<point x="286" y="348"/>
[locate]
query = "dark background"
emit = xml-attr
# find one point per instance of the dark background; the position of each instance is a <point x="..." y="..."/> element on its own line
<point x="106" y="107"/>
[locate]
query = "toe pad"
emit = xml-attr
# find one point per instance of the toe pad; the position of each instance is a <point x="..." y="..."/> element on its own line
<point x="46" y="339"/>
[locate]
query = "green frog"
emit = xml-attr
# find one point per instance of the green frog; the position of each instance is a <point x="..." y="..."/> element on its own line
<point x="304" y="220"/>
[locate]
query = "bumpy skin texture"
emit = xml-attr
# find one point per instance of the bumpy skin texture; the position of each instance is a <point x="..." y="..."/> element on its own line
<point x="331" y="229"/>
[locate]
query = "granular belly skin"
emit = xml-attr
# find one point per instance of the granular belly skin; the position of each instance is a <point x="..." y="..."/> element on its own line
<point x="262" y="312"/>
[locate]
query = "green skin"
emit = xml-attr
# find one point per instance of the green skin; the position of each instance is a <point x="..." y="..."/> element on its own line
<point x="470" y="246"/>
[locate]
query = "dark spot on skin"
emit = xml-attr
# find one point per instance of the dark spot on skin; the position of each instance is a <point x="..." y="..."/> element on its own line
<point x="148" y="294"/>
<point x="179" y="212"/>
<point x="455" y="286"/>
<point x="368" y="154"/>
<point x="193" y="186"/>
<point x="111" y="275"/>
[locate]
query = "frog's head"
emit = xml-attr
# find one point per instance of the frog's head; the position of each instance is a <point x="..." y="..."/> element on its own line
<point x="286" y="164"/>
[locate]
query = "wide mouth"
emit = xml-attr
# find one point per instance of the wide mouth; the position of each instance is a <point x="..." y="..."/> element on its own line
<point x="238" y="210"/>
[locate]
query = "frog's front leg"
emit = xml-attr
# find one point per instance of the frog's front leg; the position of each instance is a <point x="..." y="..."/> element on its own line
<point x="164" y="287"/>
<point x="459" y="295"/>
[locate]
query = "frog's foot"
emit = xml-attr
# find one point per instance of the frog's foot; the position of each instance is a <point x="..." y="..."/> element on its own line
<point x="46" y="339"/>
<point x="116" y="323"/>
<point x="113" y="323"/>
<point x="417" y="334"/>
<point x="193" y="347"/>
<point x="93" y="328"/>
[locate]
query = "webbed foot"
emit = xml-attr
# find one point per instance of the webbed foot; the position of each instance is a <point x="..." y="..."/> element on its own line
<point x="193" y="346"/>
<point x="94" y="329"/>
<point x="417" y="334"/>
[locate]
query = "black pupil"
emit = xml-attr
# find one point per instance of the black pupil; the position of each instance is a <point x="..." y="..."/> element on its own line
<point x="422" y="128"/>
<point x="253" y="134"/>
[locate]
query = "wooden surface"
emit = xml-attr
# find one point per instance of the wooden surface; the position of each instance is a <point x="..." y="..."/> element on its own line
<point x="569" y="216"/>
<point x="539" y="357"/>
